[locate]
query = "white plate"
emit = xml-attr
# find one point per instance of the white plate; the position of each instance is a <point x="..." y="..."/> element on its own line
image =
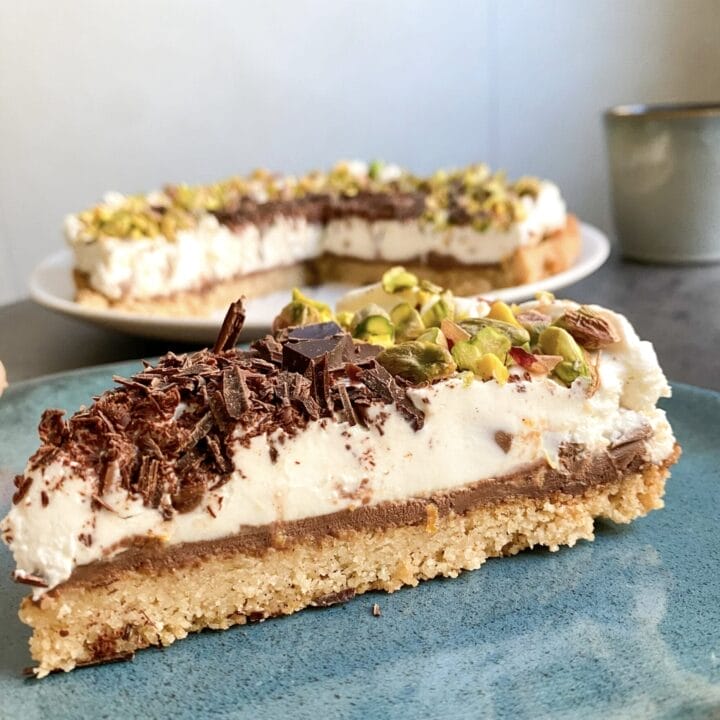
<point x="51" y="285"/>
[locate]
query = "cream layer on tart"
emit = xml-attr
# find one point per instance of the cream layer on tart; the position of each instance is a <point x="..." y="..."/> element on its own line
<point x="172" y="242"/>
<point x="70" y="512"/>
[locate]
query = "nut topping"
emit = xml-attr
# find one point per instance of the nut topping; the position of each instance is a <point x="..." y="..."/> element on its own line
<point x="588" y="328"/>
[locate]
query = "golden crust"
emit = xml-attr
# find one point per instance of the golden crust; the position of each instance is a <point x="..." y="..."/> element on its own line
<point x="77" y="625"/>
<point x="197" y="303"/>
<point x="554" y="254"/>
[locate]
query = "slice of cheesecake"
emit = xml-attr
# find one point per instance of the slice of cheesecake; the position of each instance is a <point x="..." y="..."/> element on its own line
<point x="366" y="450"/>
<point x="191" y="250"/>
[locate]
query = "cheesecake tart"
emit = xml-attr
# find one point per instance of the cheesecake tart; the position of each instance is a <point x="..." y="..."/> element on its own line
<point x="192" y="250"/>
<point x="368" y="449"/>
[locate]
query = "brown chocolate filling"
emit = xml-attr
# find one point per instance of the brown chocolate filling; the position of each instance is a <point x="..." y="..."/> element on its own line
<point x="577" y="472"/>
<point x="370" y="206"/>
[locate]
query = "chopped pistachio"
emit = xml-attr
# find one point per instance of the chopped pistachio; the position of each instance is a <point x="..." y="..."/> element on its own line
<point x="430" y="287"/>
<point x="501" y="311"/>
<point x="398" y="278"/>
<point x="491" y="340"/>
<point x="302" y="310"/>
<point x="527" y="186"/>
<point x="428" y="292"/>
<point x="321" y="307"/>
<point x="407" y="321"/>
<point x="344" y="319"/>
<point x="417" y="361"/>
<point x="534" y="322"/>
<point x="297" y="313"/>
<point x="453" y="332"/>
<point x="485" y="365"/>
<point x="375" y="168"/>
<point x="465" y="355"/>
<point x="544" y="297"/>
<point x="556" y="341"/>
<point x="517" y="335"/>
<point x="433" y="335"/>
<point x="373" y="324"/>
<point x="489" y="367"/>
<point x="433" y="314"/>
<point x="588" y="328"/>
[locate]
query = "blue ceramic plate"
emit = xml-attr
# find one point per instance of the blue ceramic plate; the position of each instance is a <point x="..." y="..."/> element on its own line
<point x="627" y="626"/>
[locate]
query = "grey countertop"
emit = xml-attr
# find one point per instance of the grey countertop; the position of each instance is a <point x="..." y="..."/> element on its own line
<point x="677" y="308"/>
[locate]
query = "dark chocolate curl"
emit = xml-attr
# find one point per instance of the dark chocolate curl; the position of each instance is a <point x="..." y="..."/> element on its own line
<point x="232" y="327"/>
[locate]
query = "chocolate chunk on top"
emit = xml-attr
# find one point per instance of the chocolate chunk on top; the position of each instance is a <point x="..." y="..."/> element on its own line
<point x="317" y="331"/>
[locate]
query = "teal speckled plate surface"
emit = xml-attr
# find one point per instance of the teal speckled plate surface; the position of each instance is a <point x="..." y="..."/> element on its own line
<point x="627" y="626"/>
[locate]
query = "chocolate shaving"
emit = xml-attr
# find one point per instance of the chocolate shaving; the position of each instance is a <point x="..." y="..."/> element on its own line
<point x="201" y="429"/>
<point x="148" y="481"/>
<point x="504" y="440"/>
<point x="235" y="392"/>
<point x="26" y="579"/>
<point x="350" y="416"/>
<point x="53" y="429"/>
<point x="231" y="327"/>
<point x="22" y="484"/>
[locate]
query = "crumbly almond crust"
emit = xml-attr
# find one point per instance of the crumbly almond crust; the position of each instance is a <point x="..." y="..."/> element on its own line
<point x="554" y="254"/>
<point x="78" y="625"/>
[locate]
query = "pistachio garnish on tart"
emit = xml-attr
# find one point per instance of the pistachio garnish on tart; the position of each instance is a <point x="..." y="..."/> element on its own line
<point x="488" y="339"/>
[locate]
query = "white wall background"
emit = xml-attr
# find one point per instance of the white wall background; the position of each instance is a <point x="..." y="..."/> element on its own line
<point x="100" y="94"/>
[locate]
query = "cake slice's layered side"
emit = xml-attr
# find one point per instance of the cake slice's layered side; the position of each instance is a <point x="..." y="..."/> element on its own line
<point x="368" y="451"/>
<point x="190" y="249"/>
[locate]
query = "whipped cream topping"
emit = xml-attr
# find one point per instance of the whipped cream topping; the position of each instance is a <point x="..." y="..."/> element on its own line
<point x="332" y="466"/>
<point x="151" y="267"/>
<point x="144" y="268"/>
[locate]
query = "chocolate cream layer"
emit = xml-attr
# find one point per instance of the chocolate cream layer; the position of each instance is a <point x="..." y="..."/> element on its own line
<point x="310" y="425"/>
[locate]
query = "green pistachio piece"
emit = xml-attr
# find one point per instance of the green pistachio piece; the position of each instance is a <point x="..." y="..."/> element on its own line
<point x="375" y="326"/>
<point x="534" y="322"/>
<point x="435" y="313"/>
<point x="517" y="335"/>
<point x="344" y="319"/>
<point x="485" y="365"/>
<point x="375" y="169"/>
<point x="368" y="311"/>
<point x="398" y="278"/>
<point x="296" y="313"/>
<point x="417" y="361"/>
<point x="430" y="287"/>
<point x="427" y="291"/>
<point x="556" y="341"/>
<point x="407" y="321"/>
<point x="491" y="340"/>
<point x="321" y="307"/>
<point x="527" y="186"/>
<point x="434" y="335"/>
<point x="465" y="355"/>
<point x="302" y="310"/>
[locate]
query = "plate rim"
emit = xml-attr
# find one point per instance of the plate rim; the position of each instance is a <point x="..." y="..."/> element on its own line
<point x="165" y="326"/>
